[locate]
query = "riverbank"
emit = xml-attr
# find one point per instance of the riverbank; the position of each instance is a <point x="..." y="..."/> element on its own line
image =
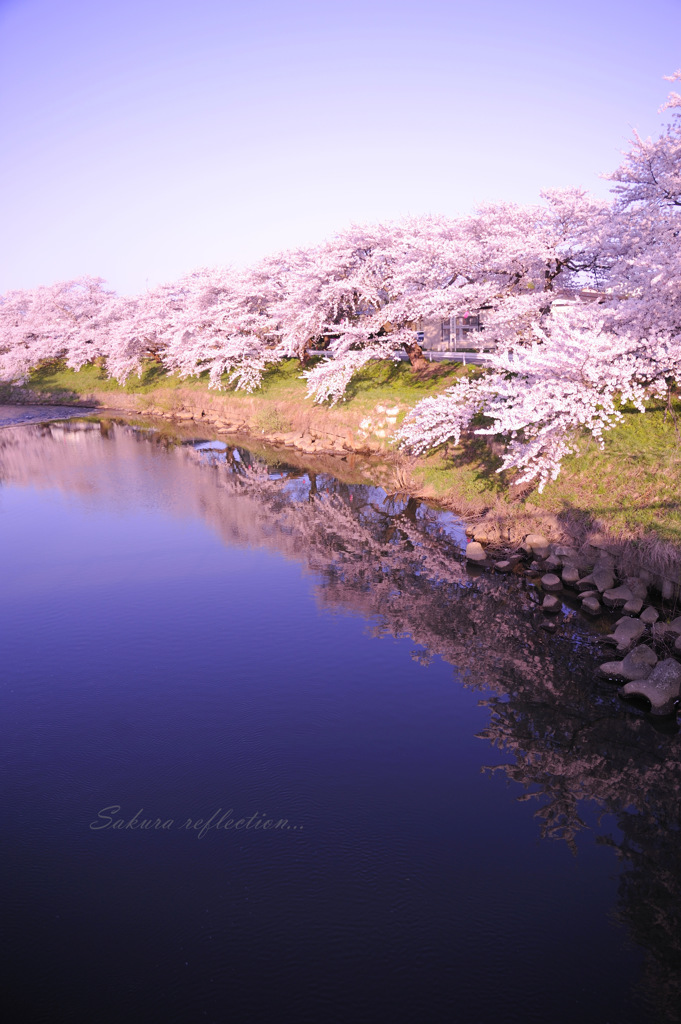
<point x="625" y="498"/>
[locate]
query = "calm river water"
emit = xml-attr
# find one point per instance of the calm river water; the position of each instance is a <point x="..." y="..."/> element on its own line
<point x="271" y="753"/>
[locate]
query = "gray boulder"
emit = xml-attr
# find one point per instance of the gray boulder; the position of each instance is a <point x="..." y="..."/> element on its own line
<point x="550" y="582"/>
<point x="570" y="575"/>
<point x="475" y="552"/>
<point x="565" y="552"/>
<point x="611" y="670"/>
<point x="662" y="687"/>
<point x="639" y="663"/>
<point x="626" y="632"/>
<point x="551" y="604"/>
<point x="603" y="578"/>
<point x="538" y="544"/>
<point x="617" y="597"/>
<point x="591" y="605"/>
<point x="600" y="579"/>
<point x="634" y="606"/>
<point x="649" y="615"/>
<point x="503" y="566"/>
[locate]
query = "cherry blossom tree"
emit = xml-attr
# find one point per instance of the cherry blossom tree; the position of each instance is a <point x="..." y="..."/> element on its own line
<point x="360" y="295"/>
<point x="65" y="320"/>
<point x="651" y="172"/>
<point x="541" y="396"/>
<point x="581" y="363"/>
<point x="645" y="278"/>
<point x="224" y="325"/>
<point x="505" y="259"/>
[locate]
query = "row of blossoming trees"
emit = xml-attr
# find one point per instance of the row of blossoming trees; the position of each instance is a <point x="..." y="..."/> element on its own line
<point x="362" y="294"/>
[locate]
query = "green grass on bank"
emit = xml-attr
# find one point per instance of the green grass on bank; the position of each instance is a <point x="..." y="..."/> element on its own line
<point x="466" y="474"/>
<point x="55" y="378"/>
<point x="377" y="381"/>
<point x="382" y="381"/>
<point x="634" y="484"/>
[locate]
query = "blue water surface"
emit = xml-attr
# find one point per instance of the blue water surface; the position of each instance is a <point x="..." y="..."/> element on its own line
<point x="174" y="652"/>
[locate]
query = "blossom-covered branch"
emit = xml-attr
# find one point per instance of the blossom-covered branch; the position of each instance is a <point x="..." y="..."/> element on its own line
<point x="540" y="397"/>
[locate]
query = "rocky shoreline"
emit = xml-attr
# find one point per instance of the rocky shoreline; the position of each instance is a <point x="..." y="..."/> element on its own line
<point x="646" y="632"/>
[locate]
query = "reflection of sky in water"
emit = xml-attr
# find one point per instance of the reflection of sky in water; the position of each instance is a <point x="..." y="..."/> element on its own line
<point x="210" y="446"/>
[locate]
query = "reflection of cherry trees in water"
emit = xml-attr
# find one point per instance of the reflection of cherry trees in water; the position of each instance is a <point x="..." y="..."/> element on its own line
<point x="392" y="560"/>
<point x="397" y="562"/>
<point x="650" y="900"/>
<point x="573" y="749"/>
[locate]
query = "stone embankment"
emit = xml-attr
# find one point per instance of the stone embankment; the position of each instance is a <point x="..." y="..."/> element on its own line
<point x="310" y="441"/>
<point x="650" y="647"/>
<point x="311" y="429"/>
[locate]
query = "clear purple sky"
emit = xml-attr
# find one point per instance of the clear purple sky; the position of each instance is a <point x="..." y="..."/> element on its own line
<point x="142" y="138"/>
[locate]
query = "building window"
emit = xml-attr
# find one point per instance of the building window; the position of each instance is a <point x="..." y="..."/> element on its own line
<point x="462" y="326"/>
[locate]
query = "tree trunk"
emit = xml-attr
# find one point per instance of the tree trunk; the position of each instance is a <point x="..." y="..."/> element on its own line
<point x="313" y="486"/>
<point x="416" y="357"/>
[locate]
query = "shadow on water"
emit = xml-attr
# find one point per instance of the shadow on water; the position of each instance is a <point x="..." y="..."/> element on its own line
<point x="566" y="739"/>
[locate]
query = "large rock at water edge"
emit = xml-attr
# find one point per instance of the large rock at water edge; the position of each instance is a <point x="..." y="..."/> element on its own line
<point x="639" y="663"/>
<point x="570" y="575"/>
<point x="611" y="670"/>
<point x="662" y="687"/>
<point x="603" y="578"/>
<point x="600" y="579"/>
<point x="626" y="632"/>
<point x="617" y="597"/>
<point x="538" y="545"/>
<point x="551" y="583"/>
<point x="475" y="552"/>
